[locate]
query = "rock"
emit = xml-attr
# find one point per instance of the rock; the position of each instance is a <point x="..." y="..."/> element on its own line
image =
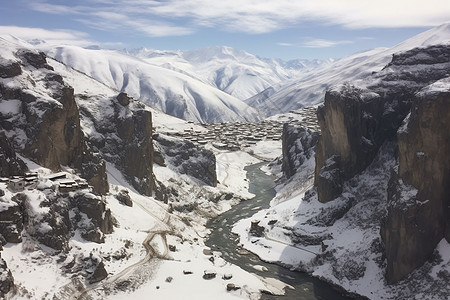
<point x="172" y="248"/>
<point x="298" y="144"/>
<point x="418" y="209"/>
<point x="272" y="222"/>
<point x="123" y="99"/>
<point x="355" y="120"/>
<point x="255" y="229"/>
<point x="34" y="58"/>
<point x="208" y="274"/>
<point x="329" y="179"/>
<point x="227" y="276"/>
<point x="207" y="252"/>
<point x="124" y="198"/>
<point x="6" y="279"/>
<point x="187" y="272"/>
<point x="99" y="273"/>
<point x="10" y="164"/>
<point x="100" y="216"/>
<point x="211" y="259"/>
<point x="186" y="158"/>
<point x="9" y="69"/>
<point x="11" y="224"/>
<point x="169" y="279"/>
<point x="232" y="287"/>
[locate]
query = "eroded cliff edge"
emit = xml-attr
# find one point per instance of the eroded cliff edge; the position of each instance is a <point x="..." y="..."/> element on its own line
<point x="357" y="119"/>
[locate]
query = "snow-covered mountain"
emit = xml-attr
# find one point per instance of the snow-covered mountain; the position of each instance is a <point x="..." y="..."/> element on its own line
<point x="309" y="89"/>
<point x="172" y="92"/>
<point x="233" y="71"/>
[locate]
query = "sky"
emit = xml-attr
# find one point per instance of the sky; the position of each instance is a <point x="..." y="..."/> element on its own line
<point x="286" y="29"/>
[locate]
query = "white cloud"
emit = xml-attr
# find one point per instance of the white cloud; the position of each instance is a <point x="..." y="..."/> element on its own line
<point x="285" y="44"/>
<point x="70" y="37"/>
<point x="179" y="17"/>
<point x="321" y="43"/>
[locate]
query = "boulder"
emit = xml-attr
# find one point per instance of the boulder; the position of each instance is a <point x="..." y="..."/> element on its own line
<point x="99" y="273"/>
<point x="124" y="198"/>
<point x="123" y="99"/>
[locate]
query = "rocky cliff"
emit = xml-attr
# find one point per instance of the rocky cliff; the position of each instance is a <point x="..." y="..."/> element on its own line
<point x="407" y="104"/>
<point x="356" y="119"/>
<point x="40" y="117"/>
<point x="419" y="191"/>
<point x="121" y="129"/>
<point x="298" y="144"/>
<point x="186" y="158"/>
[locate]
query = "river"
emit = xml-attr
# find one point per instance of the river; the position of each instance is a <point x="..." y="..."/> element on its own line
<point x="223" y="240"/>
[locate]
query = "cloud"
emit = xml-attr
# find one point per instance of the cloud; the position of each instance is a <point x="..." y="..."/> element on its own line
<point x="321" y="43"/>
<point x="61" y="36"/>
<point x="286" y="44"/>
<point x="182" y="17"/>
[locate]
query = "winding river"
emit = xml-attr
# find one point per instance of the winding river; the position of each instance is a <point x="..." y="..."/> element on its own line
<point x="223" y="240"/>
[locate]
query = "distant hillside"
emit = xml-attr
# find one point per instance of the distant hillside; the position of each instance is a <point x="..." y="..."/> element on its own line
<point x="309" y="89"/>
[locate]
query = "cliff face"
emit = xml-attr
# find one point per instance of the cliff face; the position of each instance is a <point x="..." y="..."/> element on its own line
<point x="10" y="164"/>
<point x="41" y="118"/>
<point x="186" y="158"/>
<point x="419" y="192"/>
<point x="356" y="119"/>
<point x="121" y="129"/>
<point x="298" y="145"/>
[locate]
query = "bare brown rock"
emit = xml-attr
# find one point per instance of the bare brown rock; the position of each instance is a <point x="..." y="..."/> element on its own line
<point x="419" y="195"/>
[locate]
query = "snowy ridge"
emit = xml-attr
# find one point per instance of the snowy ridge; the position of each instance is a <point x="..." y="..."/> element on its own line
<point x="233" y="71"/>
<point x="171" y="92"/>
<point x="309" y="89"/>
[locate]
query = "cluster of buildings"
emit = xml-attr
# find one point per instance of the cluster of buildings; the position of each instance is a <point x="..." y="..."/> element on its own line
<point x="30" y="181"/>
<point x="239" y="135"/>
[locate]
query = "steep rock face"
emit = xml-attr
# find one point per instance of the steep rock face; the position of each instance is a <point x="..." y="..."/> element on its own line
<point x="10" y="164"/>
<point x="298" y="145"/>
<point x="100" y="218"/>
<point x="419" y="193"/>
<point x="357" y="118"/>
<point x="12" y="221"/>
<point x="6" y="279"/>
<point x="189" y="159"/>
<point x="121" y="129"/>
<point x="52" y="218"/>
<point x="43" y="123"/>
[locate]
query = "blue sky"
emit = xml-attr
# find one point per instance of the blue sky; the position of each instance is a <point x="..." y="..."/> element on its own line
<point x="268" y="28"/>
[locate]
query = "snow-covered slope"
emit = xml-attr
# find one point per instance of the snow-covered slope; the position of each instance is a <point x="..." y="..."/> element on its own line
<point x="172" y="92"/>
<point x="235" y="72"/>
<point x="309" y="89"/>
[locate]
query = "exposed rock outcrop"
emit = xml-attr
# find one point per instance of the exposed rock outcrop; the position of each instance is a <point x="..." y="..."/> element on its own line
<point x="419" y="193"/>
<point x="298" y="145"/>
<point x="123" y="135"/>
<point x="10" y="164"/>
<point x="356" y="119"/>
<point x="45" y="126"/>
<point x="9" y="68"/>
<point x="6" y="279"/>
<point x="99" y="220"/>
<point x="189" y="159"/>
<point x="12" y="220"/>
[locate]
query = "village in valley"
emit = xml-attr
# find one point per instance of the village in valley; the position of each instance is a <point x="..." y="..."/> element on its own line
<point x="240" y="135"/>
